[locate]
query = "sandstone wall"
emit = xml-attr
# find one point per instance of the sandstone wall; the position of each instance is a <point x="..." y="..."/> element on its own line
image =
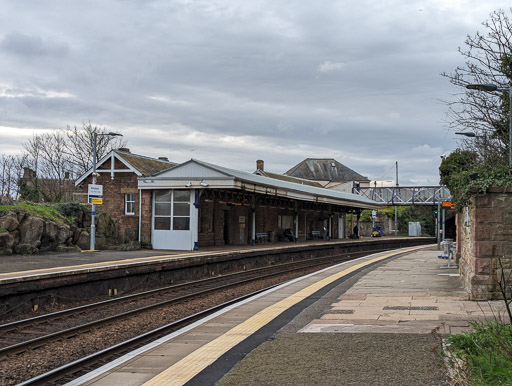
<point x="484" y="235"/>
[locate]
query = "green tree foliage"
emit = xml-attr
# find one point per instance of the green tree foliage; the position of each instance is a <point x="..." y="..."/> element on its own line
<point x="465" y="176"/>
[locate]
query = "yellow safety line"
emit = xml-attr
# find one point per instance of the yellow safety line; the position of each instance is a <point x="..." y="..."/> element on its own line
<point x="16" y="274"/>
<point x="92" y="265"/>
<point x="187" y="368"/>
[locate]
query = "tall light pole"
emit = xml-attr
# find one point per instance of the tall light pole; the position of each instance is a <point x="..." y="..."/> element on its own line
<point x="492" y="87"/>
<point x="470" y="134"/>
<point x="94" y="174"/>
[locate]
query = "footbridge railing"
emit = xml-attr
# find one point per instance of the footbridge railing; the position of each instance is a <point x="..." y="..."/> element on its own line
<point x="406" y="195"/>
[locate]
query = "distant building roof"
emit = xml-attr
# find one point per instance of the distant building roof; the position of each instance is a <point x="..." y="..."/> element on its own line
<point x="325" y="169"/>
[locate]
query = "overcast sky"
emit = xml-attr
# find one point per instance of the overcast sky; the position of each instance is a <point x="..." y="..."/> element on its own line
<point x="233" y="81"/>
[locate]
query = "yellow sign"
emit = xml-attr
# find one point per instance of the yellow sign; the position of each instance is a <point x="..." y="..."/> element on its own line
<point x="94" y="200"/>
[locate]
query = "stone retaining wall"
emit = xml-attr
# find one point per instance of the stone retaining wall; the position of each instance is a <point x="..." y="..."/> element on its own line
<point x="484" y="235"/>
<point x="21" y="233"/>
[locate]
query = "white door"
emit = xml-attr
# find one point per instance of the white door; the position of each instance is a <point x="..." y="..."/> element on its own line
<point x="174" y="219"/>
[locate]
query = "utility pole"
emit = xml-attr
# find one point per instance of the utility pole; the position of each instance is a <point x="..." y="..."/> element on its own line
<point x="396" y="207"/>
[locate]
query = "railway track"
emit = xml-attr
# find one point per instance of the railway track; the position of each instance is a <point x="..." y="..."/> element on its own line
<point x="27" y="335"/>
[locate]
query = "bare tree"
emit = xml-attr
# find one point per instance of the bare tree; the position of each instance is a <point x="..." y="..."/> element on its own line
<point x="11" y="170"/>
<point x="488" y="59"/>
<point x="62" y="155"/>
<point x="79" y="145"/>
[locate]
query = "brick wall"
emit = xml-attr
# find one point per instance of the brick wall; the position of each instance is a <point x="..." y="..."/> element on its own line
<point x="485" y="235"/>
<point x="239" y="232"/>
<point x="113" y="202"/>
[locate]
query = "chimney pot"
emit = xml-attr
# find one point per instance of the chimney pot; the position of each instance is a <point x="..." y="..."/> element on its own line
<point x="260" y="165"/>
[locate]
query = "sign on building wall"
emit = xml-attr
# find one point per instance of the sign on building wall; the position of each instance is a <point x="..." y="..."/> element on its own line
<point x="95" y="194"/>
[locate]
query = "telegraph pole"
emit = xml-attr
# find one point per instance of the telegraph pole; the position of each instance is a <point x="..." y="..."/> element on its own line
<point x="396" y="207"/>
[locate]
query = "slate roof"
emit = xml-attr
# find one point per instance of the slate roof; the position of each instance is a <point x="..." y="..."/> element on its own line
<point x="322" y="169"/>
<point x="343" y="198"/>
<point x="288" y="178"/>
<point x="146" y="166"/>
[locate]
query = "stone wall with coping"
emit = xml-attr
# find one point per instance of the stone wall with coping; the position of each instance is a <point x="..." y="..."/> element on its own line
<point x="484" y="236"/>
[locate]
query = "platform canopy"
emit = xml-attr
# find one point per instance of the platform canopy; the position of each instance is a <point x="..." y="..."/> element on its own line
<point x="195" y="174"/>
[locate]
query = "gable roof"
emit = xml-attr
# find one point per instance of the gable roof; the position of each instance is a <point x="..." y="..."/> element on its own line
<point x="325" y="169"/>
<point x="138" y="164"/>
<point x="196" y="174"/>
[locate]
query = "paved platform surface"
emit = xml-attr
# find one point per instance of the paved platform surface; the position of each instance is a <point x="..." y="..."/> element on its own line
<point x="339" y="326"/>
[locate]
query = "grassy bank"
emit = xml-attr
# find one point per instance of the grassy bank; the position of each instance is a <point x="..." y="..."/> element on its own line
<point x="483" y="356"/>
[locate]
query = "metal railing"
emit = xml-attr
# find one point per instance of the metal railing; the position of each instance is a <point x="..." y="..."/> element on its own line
<point x="405" y="195"/>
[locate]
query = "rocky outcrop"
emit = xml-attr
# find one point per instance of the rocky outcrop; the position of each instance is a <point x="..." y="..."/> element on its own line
<point x="21" y="233"/>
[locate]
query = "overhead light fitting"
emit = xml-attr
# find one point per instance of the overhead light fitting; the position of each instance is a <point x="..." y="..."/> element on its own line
<point x="205" y="184"/>
<point x="188" y="185"/>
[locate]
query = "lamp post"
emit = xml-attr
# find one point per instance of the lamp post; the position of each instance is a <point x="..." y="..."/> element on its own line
<point x="492" y="87"/>
<point x="94" y="175"/>
<point x="470" y="134"/>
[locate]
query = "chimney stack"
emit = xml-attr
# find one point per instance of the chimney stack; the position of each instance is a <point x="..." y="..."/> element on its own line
<point x="260" y="165"/>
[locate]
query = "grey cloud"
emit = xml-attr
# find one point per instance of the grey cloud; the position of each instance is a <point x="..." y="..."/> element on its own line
<point x="240" y="69"/>
<point x="29" y="46"/>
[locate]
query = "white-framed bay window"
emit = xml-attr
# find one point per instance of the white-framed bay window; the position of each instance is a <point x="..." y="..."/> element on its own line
<point x="172" y="210"/>
<point x="174" y="219"/>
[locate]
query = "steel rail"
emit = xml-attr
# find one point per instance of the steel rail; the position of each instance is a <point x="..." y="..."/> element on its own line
<point x="39" y="341"/>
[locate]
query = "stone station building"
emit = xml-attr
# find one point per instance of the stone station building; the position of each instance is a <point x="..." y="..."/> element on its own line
<point x="195" y="204"/>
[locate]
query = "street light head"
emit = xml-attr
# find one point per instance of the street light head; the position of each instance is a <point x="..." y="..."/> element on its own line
<point x="468" y="134"/>
<point x="115" y="134"/>
<point x="482" y="87"/>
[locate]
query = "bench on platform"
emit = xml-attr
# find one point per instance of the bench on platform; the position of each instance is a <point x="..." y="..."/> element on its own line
<point x="316" y="235"/>
<point x="262" y="238"/>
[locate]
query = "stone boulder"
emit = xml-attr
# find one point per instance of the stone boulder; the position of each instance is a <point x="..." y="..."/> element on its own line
<point x="6" y="243"/>
<point x="64" y="234"/>
<point x="9" y="221"/>
<point x="31" y="231"/>
<point x="84" y="241"/>
<point x="49" y="238"/>
<point x="25" y="249"/>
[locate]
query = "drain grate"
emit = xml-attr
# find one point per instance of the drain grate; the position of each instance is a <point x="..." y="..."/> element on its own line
<point x="412" y="308"/>
<point x="346" y="312"/>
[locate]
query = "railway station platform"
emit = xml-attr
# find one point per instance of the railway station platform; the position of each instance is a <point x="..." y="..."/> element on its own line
<point x="16" y="266"/>
<point x="373" y="320"/>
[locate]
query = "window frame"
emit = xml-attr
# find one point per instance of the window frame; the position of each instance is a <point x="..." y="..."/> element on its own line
<point x="127" y="201"/>
<point x="173" y="218"/>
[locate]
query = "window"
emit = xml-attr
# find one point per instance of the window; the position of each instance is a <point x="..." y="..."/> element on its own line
<point x="129" y="204"/>
<point x="172" y="210"/>
<point x="285" y="222"/>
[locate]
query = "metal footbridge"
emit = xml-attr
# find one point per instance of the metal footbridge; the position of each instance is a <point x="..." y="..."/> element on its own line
<point x="405" y="195"/>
